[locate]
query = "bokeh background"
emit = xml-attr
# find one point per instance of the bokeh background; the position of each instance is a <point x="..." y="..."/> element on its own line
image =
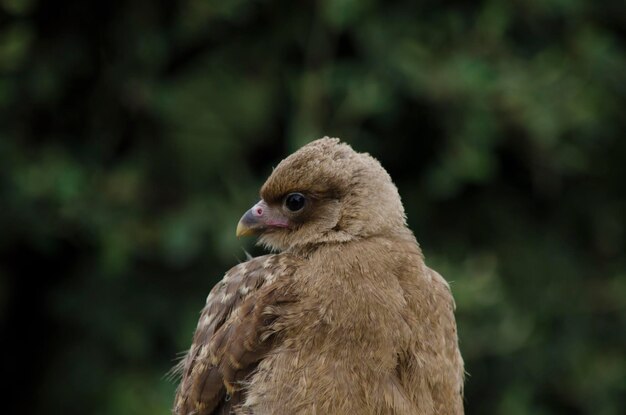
<point x="133" y="135"/>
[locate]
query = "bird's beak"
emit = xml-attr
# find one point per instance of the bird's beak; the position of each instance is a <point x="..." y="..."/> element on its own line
<point x="259" y="218"/>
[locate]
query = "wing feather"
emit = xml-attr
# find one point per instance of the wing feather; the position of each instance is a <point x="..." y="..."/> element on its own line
<point x="233" y="334"/>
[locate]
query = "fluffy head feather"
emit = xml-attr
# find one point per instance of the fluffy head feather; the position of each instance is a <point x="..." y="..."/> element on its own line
<point x="349" y="196"/>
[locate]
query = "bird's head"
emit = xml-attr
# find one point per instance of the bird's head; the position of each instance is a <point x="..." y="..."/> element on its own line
<point x="324" y="193"/>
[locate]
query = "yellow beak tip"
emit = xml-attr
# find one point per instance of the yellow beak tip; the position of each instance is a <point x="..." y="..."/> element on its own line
<point x="243" y="230"/>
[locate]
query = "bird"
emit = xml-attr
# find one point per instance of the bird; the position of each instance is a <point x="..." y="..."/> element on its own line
<point x="343" y="316"/>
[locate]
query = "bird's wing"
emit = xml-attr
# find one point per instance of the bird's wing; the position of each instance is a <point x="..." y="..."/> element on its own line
<point x="435" y="359"/>
<point x="234" y="332"/>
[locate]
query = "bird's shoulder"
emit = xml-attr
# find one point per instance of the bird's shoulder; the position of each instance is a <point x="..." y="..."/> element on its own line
<point x="246" y="277"/>
<point x="239" y="284"/>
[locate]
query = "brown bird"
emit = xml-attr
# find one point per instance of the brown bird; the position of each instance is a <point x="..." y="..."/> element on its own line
<point x="345" y="319"/>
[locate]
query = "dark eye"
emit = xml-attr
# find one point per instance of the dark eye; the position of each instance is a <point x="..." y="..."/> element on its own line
<point x="295" y="201"/>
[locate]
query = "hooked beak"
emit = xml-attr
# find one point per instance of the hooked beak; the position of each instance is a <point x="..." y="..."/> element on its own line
<point x="259" y="218"/>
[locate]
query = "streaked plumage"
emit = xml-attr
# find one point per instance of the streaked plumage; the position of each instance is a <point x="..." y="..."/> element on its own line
<point x="346" y="319"/>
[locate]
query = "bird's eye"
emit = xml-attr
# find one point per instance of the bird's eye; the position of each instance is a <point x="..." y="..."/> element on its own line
<point x="295" y="201"/>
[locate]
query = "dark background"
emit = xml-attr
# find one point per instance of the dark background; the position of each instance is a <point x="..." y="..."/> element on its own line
<point x="134" y="134"/>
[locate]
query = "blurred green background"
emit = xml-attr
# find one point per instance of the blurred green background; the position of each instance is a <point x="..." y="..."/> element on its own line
<point x="133" y="135"/>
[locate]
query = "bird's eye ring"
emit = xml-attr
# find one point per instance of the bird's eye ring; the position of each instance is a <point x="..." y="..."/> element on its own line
<point x="295" y="201"/>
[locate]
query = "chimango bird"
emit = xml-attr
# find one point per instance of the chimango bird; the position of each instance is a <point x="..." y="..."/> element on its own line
<point x="343" y="318"/>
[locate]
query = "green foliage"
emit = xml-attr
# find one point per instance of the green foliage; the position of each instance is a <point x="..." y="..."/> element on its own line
<point x="133" y="135"/>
